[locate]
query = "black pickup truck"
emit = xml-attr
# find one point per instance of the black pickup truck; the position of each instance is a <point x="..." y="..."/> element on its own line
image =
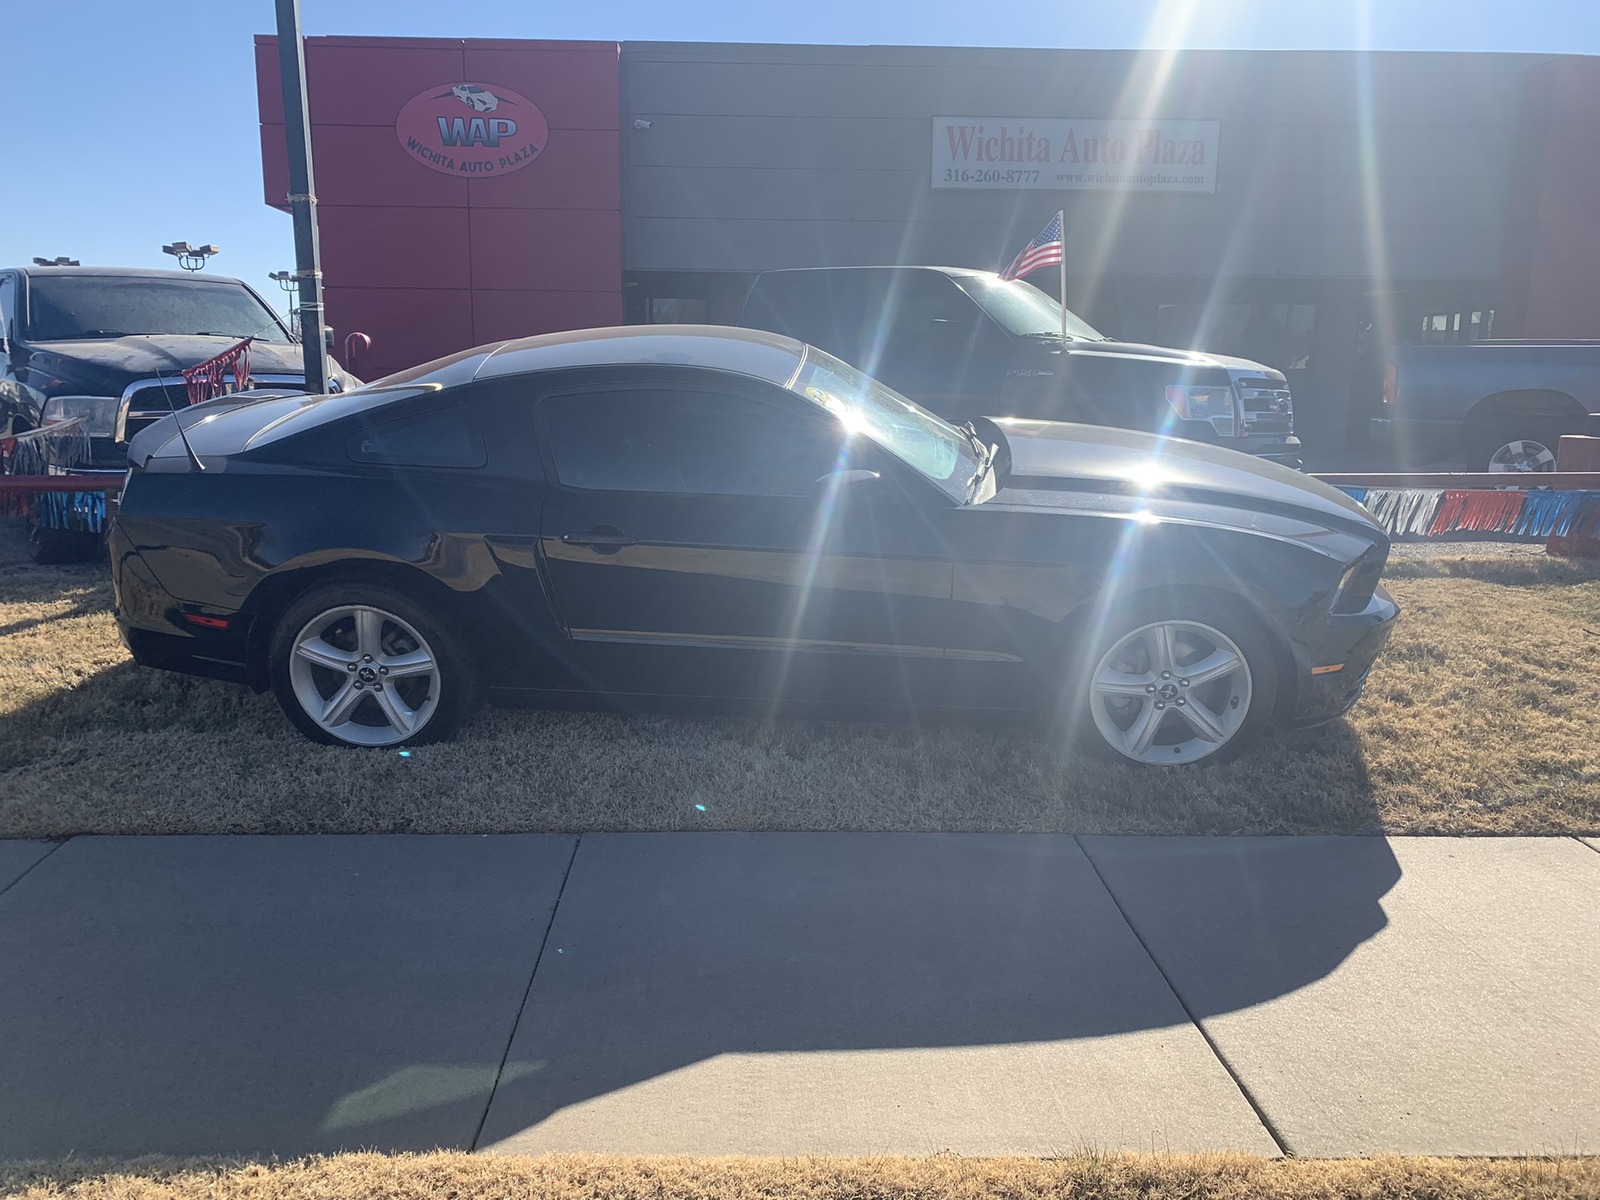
<point x="968" y="344"/>
<point x="1493" y="405"/>
<point x="110" y="344"/>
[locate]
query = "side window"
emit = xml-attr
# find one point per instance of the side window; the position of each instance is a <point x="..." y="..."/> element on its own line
<point x="824" y="308"/>
<point x="687" y="442"/>
<point x="445" y="438"/>
<point x="920" y="298"/>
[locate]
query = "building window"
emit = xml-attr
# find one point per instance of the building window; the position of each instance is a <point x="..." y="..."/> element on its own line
<point x="1461" y="326"/>
<point x="663" y="310"/>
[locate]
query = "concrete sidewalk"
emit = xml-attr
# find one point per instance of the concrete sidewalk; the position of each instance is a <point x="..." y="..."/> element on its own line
<point x="793" y="993"/>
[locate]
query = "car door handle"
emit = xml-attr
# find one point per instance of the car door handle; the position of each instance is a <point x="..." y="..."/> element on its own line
<point x="602" y="539"/>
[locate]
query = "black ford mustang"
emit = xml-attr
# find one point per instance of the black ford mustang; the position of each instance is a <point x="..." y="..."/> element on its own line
<point x="694" y="511"/>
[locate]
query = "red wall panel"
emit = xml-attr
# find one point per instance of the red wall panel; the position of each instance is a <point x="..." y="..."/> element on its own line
<point x="547" y="249"/>
<point x="366" y="85"/>
<point x="500" y="315"/>
<point x="576" y="170"/>
<point x="362" y="165"/>
<point x="428" y="262"/>
<point x="1550" y="269"/>
<point x="574" y="88"/>
<point x="407" y="325"/>
<point x="396" y="247"/>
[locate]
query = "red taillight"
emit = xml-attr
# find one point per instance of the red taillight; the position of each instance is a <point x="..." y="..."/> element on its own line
<point x="205" y="621"/>
<point x="1391" y="383"/>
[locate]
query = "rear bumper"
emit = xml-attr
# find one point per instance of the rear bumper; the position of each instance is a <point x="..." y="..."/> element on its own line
<point x="154" y="624"/>
<point x="1352" y="643"/>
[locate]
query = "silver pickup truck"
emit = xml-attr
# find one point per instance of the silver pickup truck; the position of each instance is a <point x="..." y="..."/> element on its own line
<point x="1488" y="405"/>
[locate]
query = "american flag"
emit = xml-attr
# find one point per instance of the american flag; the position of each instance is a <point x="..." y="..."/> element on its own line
<point x="1044" y="251"/>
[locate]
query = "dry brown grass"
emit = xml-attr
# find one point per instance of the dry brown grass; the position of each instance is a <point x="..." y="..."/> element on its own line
<point x="1481" y="718"/>
<point x="455" y="1176"/>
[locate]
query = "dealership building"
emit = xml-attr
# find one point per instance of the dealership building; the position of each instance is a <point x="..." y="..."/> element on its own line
<point x="1304" y="209"/>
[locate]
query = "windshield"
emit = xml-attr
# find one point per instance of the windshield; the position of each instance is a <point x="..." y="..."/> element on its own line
<point x="932" y="446"/>
<point x="62" y="307"/>
<point x="1022" y="309"/>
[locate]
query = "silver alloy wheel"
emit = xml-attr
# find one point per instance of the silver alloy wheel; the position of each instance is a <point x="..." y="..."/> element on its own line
<point x="1523" y="455"/>
<point x="1170" y="692"/>
<point x="364" y="675"/>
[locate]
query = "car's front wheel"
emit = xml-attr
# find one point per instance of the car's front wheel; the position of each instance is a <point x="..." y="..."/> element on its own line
<point x="1180" y="686"/>
<point x="365" y="665"/>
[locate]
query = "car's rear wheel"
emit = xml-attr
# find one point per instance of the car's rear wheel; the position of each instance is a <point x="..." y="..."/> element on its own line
<point x="1170" y="687"/>
<point x="365" y="665"/>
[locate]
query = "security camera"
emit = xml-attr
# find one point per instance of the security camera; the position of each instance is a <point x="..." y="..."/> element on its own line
<point x="641" y="123"/>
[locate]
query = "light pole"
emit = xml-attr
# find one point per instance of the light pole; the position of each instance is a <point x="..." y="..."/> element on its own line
<point x="190" y="258"/>
<point x="289" y="285"/>
<point x="302" y="195"/>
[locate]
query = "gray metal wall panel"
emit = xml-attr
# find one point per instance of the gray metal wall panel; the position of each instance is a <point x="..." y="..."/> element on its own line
<point x="776" y="193"/>
<point x="727" y="141"/>
<point x="763" y="156"/>
<point x="746" y="88"/>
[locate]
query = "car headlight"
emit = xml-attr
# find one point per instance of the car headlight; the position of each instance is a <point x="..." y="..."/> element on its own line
<point x="99" y="413"/>
<point x="1359" y="581"/>
<point x="1212" y="404"/>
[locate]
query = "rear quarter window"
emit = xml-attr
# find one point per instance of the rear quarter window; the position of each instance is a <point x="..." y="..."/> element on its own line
<point x="444" y="438"/>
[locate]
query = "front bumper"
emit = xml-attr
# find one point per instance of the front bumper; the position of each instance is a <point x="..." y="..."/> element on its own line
<point x="1351" y="642"/>
<point x="1285" y="451"/>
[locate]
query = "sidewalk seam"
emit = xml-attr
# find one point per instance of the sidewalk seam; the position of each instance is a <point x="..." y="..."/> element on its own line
<point x="33" y="864"/>
<point x="1584" y="842"/>
<point x="526" y="993"/>
<point x="1216" y="1050"/>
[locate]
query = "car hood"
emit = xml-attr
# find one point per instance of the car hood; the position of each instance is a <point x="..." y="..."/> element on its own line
<point x="1178" y="358"/>
<point x="130" y="358"/>
<point x="1051" y="457"/>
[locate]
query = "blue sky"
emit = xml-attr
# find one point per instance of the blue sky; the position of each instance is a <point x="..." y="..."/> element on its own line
<point x="137" y="121"/>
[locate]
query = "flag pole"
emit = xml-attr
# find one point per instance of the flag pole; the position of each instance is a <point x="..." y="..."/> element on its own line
<point x="1062" y="217"/>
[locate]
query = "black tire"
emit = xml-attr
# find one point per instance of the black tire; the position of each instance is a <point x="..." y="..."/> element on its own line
<point x="1236" y="625"/>
<point x="440" y="701"/>
<point x="1545" y="432"/>
<point x="50" y="547"/>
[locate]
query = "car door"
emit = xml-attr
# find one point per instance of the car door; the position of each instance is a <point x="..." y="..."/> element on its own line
<point x="700" y="538"/>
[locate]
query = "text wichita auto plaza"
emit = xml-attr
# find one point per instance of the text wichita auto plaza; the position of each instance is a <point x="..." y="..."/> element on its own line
<point x="974" y="143"/>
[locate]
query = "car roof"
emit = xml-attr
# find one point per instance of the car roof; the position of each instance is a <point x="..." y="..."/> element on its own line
<point x="753" y="352"/>
<point x="127" y="272"/>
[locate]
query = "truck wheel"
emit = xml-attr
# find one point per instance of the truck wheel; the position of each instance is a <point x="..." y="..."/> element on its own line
<point x="49" y="547"/>
<point x="1516" y="447"/>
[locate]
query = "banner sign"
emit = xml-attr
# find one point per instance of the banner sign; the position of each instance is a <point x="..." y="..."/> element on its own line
<point x="472" y="129"/>
<point x="1005" y="153"/>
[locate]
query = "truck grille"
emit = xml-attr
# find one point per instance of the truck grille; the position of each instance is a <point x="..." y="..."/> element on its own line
<point x="147" y="404"/>
<point x="1268" y="410"/>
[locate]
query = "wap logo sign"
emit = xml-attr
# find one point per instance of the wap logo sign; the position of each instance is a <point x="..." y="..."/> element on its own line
<point x="472" y="129"/>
